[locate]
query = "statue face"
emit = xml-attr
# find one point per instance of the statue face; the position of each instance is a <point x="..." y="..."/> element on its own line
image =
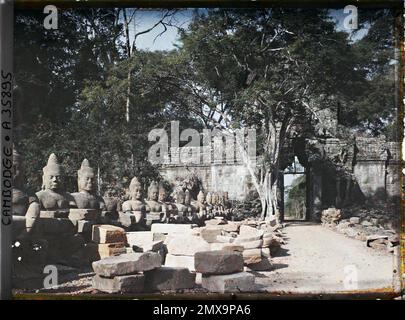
<point x="136" y="192"/>
<point x="209" y="198"/>
<point x="154" y="194"/>
<point x="187" y="198"/>
<point x="53" y="180"/>
<point x="180" y="198"/>
<point x="162" y="195"/>
<point x="87" y="182"/>
<point x="201" y="197"/>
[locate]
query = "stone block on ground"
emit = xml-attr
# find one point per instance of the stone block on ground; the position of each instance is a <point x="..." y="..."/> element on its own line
<point x="266" y="252"/>
<point x="125" y="284"/>
<point x="108" y="234"/>
<point x="225" y="239"/>
<point x="214" y="222"/>
<point x="263" y="265"/>
<point x="180" y="261"/>
<point x="250" y="244"/>
<point x="106" y="250"/>
<point x="218" y="262"/>
<point x="168" y="228"/>
<point x="169" y="278"/>
<point x="139" y="238"/>
<point x="231" y="227"/>
<point x="247" y="231"/>
<point x="354" y="220"/>
<point x="210" y="235"/>
<point x="236" y="282"/>
<point x="127" y="263"/>
<point x="251" y="256"/>
<point x="240" y="239"/>
<point x="187" y="245"/>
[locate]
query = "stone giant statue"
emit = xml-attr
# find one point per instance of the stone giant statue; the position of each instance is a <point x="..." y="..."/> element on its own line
<point x="87" y="197"/>
<point x="53" y="197"/>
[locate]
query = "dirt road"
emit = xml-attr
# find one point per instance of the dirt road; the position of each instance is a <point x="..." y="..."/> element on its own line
<point x="319" y="260"/>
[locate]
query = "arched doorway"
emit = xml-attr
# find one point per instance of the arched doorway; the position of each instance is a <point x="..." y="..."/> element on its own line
<point x="295" y="204"/>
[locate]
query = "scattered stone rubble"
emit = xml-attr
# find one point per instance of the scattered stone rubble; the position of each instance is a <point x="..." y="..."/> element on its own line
<point x="173" y="257"/>
<point x="373" y="226"/>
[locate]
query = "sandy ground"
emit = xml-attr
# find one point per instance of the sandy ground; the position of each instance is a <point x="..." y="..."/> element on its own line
<point x="314" y="260"/>
<point x="318" y="260"/>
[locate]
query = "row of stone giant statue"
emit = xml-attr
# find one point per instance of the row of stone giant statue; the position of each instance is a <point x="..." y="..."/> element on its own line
<point x="134" y="214"/>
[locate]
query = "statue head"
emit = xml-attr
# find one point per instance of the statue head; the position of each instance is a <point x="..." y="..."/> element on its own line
<point x="53" y="174"/>
<point x="214" y="198"/>
<point x="187" y="197"/>
<point x="135" y="189"/>
<point x="153" y="191"/>
<point x="201" y="197"/>
<point x="86" y="177"/>
<point x="208" y="198"/>
<point x="180" y="196"/>
<point x="18" y="173"/>
<point x="162" y="193"/>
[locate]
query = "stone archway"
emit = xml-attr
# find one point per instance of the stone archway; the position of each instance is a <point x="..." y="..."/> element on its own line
<point x="294" y="188"/>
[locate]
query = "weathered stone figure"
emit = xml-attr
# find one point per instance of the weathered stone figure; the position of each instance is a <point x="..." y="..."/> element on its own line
<point x="209" y="207"/>
<point x="200" y="205"/>
<point x="26" y="207"/>
<point x="191" y="210"/>
<point x="182" y="209"/>
<point x="157" y="209"/>
<point x="87" y="198"/>
<point x="171" y="209"/>
<point x="134" y="210"/>
<point x="112" y="205"/>
<point x="53" y="196"/>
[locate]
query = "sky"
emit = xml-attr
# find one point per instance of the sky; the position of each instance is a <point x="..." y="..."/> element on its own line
<point x="151" y="41"/>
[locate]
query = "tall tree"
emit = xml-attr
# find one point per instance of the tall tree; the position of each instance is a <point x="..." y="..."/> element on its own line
<point x="271" y="69"/>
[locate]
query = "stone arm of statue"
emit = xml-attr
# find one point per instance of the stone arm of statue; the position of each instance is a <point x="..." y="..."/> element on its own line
<point x="32" y="215"/>
<point x="139" y="215"/>
<point x="126" y="207"/>
<point x="71" y="200"/>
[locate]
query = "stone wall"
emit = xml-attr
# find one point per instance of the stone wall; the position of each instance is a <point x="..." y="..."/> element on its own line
<point x="233" y="178"/>
<point x="372" y="163"/>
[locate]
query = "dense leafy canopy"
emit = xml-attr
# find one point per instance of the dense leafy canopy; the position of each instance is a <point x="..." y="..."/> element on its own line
<point x="232" y="68"/>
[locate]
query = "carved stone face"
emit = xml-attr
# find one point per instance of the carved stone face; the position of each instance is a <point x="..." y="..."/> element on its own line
<point x="201" y="197"/>
<point x="87" y="181"/>
<point x="187" y="198"/>
<point x="209" y="198"/>
<point x="180" y="198"/>
<point x="154" y="194"/>
<point x="136" y="192"/>
<point x="53" y="179"/>
<point x="162" y="195"/>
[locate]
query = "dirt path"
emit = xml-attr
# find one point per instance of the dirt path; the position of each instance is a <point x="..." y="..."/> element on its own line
<point x="318" y="260"/>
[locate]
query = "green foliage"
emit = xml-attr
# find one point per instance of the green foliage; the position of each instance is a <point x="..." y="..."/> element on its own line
<point x="256" y="66"/>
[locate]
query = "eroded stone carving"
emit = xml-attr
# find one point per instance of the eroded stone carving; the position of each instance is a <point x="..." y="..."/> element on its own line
<point x="157" y="209"/>
<point x="53" y="196"/>
<point x="134" y="210"/>
<point x="26" y="207"/>
<point x="87" y="197"/>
